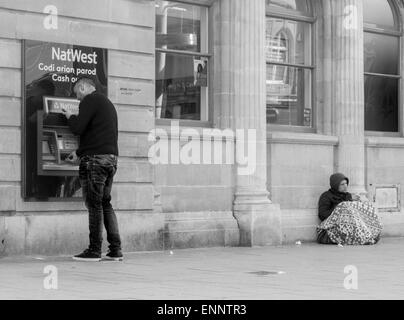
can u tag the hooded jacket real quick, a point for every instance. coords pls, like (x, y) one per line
(331, 198)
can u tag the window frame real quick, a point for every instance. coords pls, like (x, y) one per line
(397, 33)
(272, 11)
(206, 112)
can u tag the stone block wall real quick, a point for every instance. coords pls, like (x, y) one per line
(299, 167)
(126, 29)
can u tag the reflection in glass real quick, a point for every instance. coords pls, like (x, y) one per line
(381, 104)
(287, 41)
(378, 13)
(178, 89)
(381, 53)
(288, 96)
(299, 5)
(178, 26)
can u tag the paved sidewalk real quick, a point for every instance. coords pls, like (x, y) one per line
(308, 271)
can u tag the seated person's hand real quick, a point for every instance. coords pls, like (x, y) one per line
(364, 198)
(356, 197)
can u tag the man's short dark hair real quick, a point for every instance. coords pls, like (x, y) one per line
(86, 80)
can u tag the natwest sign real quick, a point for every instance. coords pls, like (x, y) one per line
(74, 55)
(56, 105)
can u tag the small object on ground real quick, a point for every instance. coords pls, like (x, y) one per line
(39, 258)
(340, 245)
(171, 252)
(298, 243)
(281, 272)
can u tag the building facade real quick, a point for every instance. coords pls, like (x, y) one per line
(317, 83)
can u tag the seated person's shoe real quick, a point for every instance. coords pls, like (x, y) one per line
(115, 255)
(88, 255)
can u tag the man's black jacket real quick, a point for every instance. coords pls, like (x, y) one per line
(97, 125)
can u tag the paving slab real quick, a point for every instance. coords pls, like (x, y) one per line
(307, 271)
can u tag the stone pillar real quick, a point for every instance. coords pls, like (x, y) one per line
(240, 103)
(348, 86)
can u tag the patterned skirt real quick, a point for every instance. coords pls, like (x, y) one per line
(352, 223)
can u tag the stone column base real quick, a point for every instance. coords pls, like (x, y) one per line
(259, 224)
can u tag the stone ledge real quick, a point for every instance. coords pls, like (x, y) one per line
(201, 131)
(301, 138)
(384, 142)
(101, 11)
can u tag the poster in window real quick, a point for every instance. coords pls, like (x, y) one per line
(201, 72)
(50, 71)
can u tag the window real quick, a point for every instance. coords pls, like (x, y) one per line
(381, 66)
(289, 67)
(182, 61)
(296, 5)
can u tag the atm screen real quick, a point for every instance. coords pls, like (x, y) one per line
(67, 143)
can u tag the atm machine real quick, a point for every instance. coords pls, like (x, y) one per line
(55, 140)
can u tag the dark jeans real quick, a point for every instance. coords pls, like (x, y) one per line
(96, 176)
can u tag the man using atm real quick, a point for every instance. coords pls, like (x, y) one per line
(97, 126)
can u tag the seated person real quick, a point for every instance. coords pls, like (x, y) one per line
(346, 219)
